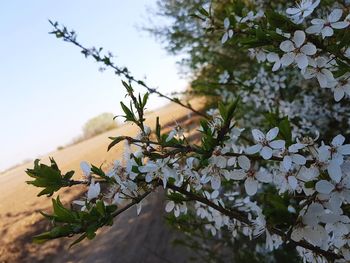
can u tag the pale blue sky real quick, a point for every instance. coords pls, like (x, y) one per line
(49, 90)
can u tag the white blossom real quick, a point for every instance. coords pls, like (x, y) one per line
(296, 51)
(252, 177)
(177, 208)
(334, 155)
(94, 190)
(291, 155)
(265, 144)
(274, 58)
(320, 68)
(342, 87)
(228, 31)
(325, 27)
(303, 9)
(249, 17)
(86, 168)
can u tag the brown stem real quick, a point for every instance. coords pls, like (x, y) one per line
(69, 37)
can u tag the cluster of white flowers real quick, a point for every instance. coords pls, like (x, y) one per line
(314, 174)
(317, 171)
(302, 10)
(248, 19)
(300, 51)
(307, 106)
(326, 27)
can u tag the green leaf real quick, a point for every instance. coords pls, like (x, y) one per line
(78, 240)
(128, 87)
(277, 20)
(68, 175)
(197, 16)
(231, 109)
(285, 130)
(129, 115)
(203, 12)
(222, 110)
(145, 99)
(56, 232)
(48, 177)
(158, 129)
(63, 214)
(310, 184)
(115, 141)
(100, 207)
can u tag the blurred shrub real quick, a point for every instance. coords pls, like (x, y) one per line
(99, 124)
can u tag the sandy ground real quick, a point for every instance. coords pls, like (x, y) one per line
(146, 238)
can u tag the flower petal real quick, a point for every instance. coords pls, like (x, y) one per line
(215, 182)
(314, 29)
(287, 162)
(287, 59)
(299, 38)
(251, 186)
(322, 79)
(318, 21)
(266, 152)
(231, 161)
(258, 135)
(321, 62)
(253, 149)
(264, 176)
(237, 174)
(138, 208)
(86, 168)
(169, 206)
(226, 23)
(278, 144)
(327, 32)
(230, 33)
(334, 171)
(293, 182)
(294, 148)
(335, 15)
(298, 159)
(338, 140)
(328, 74)
(301, 60)
(340, 25)
(272, 134)
(344, 149)
(244, 162)
(272, 57)
(293, 11)
(276, 66)
(324, 187)
(94, 190)
(308, 49)
(338, 94)
(287, 46)
(224, 38)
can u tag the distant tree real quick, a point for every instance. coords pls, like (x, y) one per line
(99, 124)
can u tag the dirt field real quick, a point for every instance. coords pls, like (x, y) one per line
(131, 239)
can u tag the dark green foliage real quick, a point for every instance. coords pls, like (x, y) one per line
(48, 177)
(67, 222)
